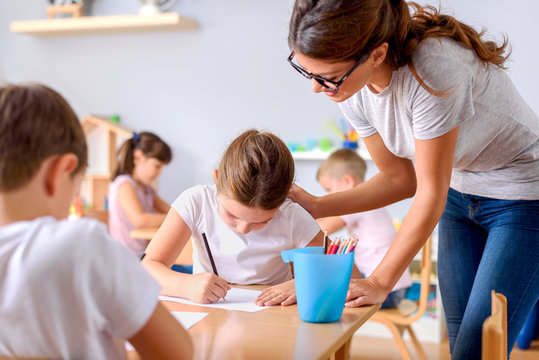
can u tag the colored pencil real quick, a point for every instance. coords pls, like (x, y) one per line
(208, 251)
(325, 242)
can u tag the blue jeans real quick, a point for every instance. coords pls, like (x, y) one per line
(486, 244)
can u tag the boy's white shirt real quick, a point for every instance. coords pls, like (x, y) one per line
(253, 258)
(68, 290)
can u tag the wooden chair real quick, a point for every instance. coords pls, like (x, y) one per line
(494, 346)
(399, 319)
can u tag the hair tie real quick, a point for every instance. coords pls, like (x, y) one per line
(136, 137)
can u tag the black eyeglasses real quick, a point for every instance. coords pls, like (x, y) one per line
(330, 84)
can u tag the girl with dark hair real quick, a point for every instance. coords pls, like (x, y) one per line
(442, 121)
(133, 202)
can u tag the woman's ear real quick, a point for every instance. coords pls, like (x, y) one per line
(378, 55)
(215, 174)
(58, 167)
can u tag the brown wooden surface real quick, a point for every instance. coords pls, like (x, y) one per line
(275, 333)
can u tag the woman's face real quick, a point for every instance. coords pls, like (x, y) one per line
(335, 71)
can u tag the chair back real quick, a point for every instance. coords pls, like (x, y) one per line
(494, 346)
(424, 291)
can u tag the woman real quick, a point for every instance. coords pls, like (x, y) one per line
(442, 121)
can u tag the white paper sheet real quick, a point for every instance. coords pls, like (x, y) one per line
(188, 319)
(236, 299)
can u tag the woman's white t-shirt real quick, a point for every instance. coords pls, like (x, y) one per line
(253, 258)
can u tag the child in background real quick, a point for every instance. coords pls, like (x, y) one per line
(67, 289)
(133, 202)
(343, 170)
(247, 219)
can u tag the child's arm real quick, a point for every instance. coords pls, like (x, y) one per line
(331, 224)
(130, 204)
(160, 205)
(285, 293)
(161, 253)
(162, 337)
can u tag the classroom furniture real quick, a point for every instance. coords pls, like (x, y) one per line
(494, 346)
(103, 24)
(275, 333)
(104, 137)
(74, 9)
(401, 318)
(530, 330)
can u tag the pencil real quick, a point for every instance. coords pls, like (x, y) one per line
(209, 254)
(325, 241)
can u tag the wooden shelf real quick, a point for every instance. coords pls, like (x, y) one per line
(103, 24)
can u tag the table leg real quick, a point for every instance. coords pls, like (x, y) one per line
(343, 352)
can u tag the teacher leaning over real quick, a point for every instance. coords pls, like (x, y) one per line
(442, 120)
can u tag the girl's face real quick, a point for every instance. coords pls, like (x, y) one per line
(241, 218)
(146, 169)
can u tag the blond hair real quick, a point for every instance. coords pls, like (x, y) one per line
(343, 162)
(256, 170)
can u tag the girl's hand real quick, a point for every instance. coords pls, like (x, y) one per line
(302, 197)
(365, 292)
(207, 288)
(284, 294)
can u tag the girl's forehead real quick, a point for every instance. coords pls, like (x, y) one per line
(244, 212)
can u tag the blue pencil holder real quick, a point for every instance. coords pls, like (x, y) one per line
(321, 282)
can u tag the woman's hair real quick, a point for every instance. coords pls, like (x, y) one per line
(256, 170)
(343, 30)
(151, 146)
(36, 123)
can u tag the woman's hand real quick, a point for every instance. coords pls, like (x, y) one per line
(284, 294)
(365, 291)
(302, 197)
(206, 288)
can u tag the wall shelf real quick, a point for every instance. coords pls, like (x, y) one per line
(103, 24)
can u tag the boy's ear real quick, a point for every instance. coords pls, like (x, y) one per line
(215, 173)
(349, 180)
(63, 165)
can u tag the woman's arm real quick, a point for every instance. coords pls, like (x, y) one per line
(395, 181)
(433, 166)
(164, 249)
(130, 204)
(160, 205)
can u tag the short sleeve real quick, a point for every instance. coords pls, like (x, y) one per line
(447, 68)
(114, 283)
(187, 205)
(304, 226)
(352, 111)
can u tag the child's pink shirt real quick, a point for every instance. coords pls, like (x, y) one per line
(375, 231)
(119, 224)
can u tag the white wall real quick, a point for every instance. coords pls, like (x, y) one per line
(200, 88)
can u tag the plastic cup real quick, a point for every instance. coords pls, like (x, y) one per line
(321, 282)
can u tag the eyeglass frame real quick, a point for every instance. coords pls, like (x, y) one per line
(321, 80)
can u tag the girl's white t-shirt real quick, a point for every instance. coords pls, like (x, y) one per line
(253, 258)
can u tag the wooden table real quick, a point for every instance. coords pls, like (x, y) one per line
(275, 333)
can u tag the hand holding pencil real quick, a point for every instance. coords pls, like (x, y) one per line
(216, 285)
